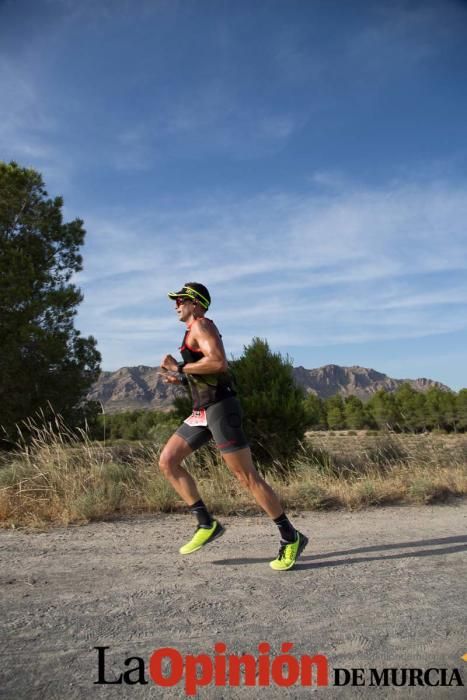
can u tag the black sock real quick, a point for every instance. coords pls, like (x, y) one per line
(202, 515)
(288, 532)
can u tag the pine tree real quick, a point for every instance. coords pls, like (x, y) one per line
(44, 362)
(335, 412)
(316, 412)
(384, 410)
(412, 407)
(354, 413)
(461, 409)
(275, 418)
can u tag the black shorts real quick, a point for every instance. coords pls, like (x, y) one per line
(224, 425)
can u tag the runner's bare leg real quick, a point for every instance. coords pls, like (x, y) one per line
(174, 452)
(241, 465)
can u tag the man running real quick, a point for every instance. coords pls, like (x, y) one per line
(216, 414)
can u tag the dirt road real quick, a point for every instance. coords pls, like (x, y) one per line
(374, 589)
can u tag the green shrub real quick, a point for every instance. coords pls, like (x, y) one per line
(275, 417)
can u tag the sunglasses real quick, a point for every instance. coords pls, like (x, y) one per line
(182, 300)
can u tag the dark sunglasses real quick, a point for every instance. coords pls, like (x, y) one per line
(182, 300)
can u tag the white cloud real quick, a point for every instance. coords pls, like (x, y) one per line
(355, 235)
(310, 270)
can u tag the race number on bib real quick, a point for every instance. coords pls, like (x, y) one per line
(197, 418)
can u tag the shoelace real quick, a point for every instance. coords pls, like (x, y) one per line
(282, 549)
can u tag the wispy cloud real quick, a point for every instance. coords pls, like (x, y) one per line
(27, 125)
(19, 110)
(355, 266)
(381, 232)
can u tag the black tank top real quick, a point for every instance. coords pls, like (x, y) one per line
(206, 389)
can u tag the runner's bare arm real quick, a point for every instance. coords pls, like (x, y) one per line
(210, 344)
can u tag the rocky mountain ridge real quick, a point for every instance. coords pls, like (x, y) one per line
(142, 387)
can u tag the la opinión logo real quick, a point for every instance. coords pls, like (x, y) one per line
(168, 667)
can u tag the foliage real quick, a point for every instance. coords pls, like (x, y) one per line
(412, 408)
(461, 409)
(156, 426)
(275, 415)
(384, 409)
(315, 412)
(335, 412)
(354, 412)
(411, 405)
(45, 365)
(405, 410)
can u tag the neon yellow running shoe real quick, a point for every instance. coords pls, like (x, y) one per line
(202, 536)
(289, 553)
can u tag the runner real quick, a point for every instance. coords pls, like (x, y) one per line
(216, 414)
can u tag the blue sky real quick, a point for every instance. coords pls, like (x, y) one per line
(306, 160)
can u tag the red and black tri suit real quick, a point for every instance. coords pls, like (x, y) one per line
(215, 397)
(206, 389)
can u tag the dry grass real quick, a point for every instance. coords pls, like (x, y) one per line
(64, 478)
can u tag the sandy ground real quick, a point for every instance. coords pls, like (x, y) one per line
(377, 588)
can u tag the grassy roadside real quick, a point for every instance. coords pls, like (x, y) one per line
(64, 478)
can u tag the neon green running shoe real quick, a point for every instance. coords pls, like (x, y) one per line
(289, 553)
(202, 536)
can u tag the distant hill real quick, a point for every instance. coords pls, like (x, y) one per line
(358, 381)
(131, 388)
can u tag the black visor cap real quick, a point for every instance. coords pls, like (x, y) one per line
(195, 291)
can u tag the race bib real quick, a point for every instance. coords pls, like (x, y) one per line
(197, 418)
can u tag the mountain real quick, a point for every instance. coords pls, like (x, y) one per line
(142, 387)
(358, 381)
(130, 388)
